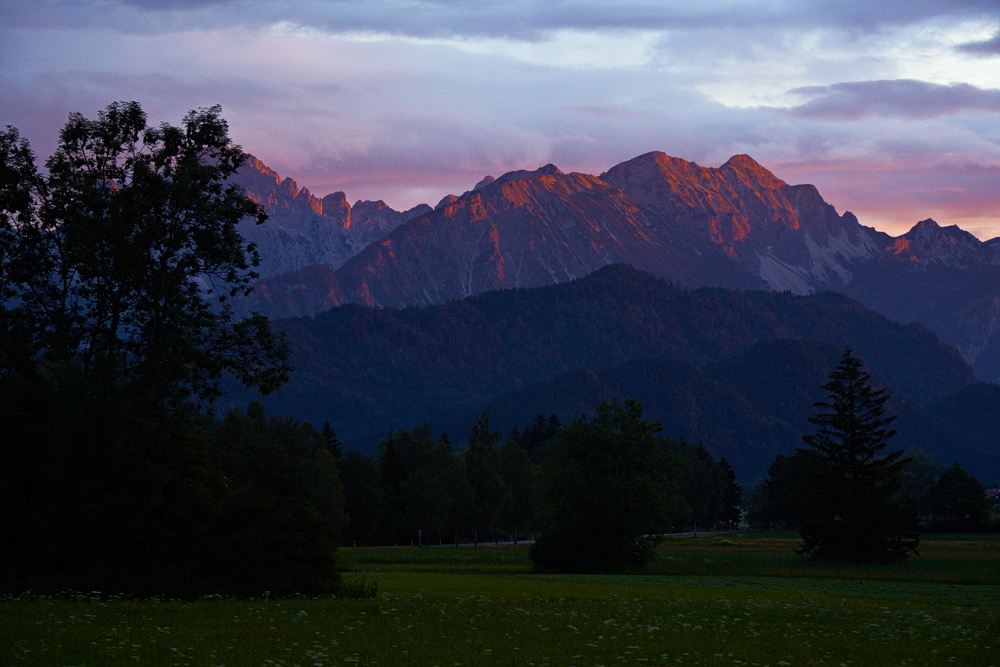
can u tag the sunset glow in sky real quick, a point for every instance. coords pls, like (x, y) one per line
(891, 109)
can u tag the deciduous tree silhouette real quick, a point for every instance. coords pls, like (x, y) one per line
(121, 260)
(958, 502)
(606, 488)
(118, 263)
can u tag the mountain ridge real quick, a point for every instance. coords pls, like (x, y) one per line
(304, 230)
(736, 226)
(375, 369)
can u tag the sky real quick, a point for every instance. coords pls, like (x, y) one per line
(892, 109)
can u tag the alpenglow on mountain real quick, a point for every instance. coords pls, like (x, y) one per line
(735, 226)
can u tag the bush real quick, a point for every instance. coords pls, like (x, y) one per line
(606, 488)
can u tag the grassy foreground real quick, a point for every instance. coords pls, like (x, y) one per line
(708, 601)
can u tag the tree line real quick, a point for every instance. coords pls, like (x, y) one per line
(466, 354)
(947, 499)
(420, 489)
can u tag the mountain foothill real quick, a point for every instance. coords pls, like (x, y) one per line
(719, 297)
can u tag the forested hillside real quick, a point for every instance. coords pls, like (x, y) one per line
(369, 371)
(755, 404)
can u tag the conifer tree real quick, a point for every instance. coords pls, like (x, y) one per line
(492, 496)
(845, 504)
(332, 441)
(732, 497)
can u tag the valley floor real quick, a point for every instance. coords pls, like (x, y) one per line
(484, 606)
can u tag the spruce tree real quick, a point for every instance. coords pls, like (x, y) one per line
(492, 496)
(732, 496)
(845, 501)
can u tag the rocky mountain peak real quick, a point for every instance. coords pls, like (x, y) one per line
(305, 231)
(483, 183)
(752, 173)
(447, 200)
(744, 161)
(641, 174)
(785, 234)
(367, 207)
(930, 243)
(678, 188)
(526, 228)
(253, 164)
(335, 206)
(548, 170)
(265, 186)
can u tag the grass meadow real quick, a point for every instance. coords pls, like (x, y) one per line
(710, 600)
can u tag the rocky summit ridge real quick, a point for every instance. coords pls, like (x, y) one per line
(928, 243)
(305, 231)
(784, 234)
(737, 226)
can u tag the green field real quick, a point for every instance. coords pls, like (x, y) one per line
(709, 601)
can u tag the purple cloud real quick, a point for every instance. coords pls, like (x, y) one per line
(175, 4)
(523, 19)
(990, 47)
(327, 93)
(899, 98)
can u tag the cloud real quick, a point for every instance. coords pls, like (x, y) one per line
(901, 98)
(516, 19)
(870, 16)
(162, 5)
(989, 47)
(408, 100)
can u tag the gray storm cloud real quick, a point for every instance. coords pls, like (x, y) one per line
(524, 19)
(903, 98)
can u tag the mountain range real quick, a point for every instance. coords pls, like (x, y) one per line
(719, 297)
(736, 226)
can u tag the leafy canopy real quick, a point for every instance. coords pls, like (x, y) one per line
(958, 502)
(606, 487)
(121, 259)
(117, 266)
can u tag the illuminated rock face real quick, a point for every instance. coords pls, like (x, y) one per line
(305, 239)
(784, 234)
(525, 229)
(734, 226)
(303, 230)
(928, 244)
